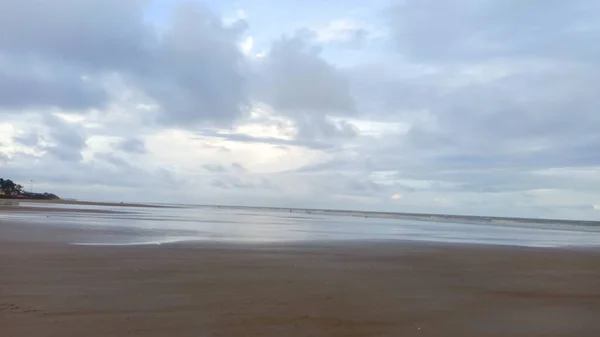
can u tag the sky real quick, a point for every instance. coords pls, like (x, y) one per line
(456, 107)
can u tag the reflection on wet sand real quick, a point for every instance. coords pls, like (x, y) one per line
(242, 224)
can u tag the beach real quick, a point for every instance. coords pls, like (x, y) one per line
(309, 289)
(66, 272)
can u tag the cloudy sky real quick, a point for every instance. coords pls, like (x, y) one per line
(461, 106)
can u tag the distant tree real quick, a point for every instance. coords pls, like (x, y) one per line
(9, 189)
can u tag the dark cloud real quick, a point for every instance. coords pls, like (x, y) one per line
(215, 168)
(68, 139)
(461, 172)
(96, 34)
(297, 80)
(30, 83)
(243, 183)
(381, 89)
(193, 69)
(299, 83)
(319, 128)
(30, 139)
(57, 138)
(528, 120)
(53, 43)
(237, 167)
(198, 71)
(132, 145)
(111, 159)
(490, 102)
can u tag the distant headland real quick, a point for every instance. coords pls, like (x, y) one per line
(12, 190)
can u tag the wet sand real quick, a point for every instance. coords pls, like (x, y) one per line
(89, 203)
(55, 209)
(48, 288)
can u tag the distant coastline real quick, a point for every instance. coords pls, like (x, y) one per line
(84, 203)
(32, 196)
(11, 190)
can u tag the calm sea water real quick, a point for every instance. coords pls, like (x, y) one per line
(134, 225)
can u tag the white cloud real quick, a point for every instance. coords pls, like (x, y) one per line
(246, 46)
(341, 30)
(378, 128)
(444, 202)
(185, 151)
(238, 15)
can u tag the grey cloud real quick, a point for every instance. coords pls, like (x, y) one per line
(100, 34)
(105, 169)
(455, 168)
(193, 69)
(357, 38)
(220, 184)
(341, 183)
(215, 168)
(320, 128)
(470, 29)
(296, 80)
(68, 140)
(198, 74)
(499, 180)
(29, 139)
(29, 83)
(367, 186)
(65, 153)
(337, 163)
(237, 167)
(364, 186)
(557, 156)
(233, 182)
(382, 88)
(299, 83)
(495, 115)
(493, 93)
(218, 168)
(132, 145)
(240, 137)
(556, 116)
(112, 159)
(62, 40)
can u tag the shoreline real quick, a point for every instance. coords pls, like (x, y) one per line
(50, 288)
